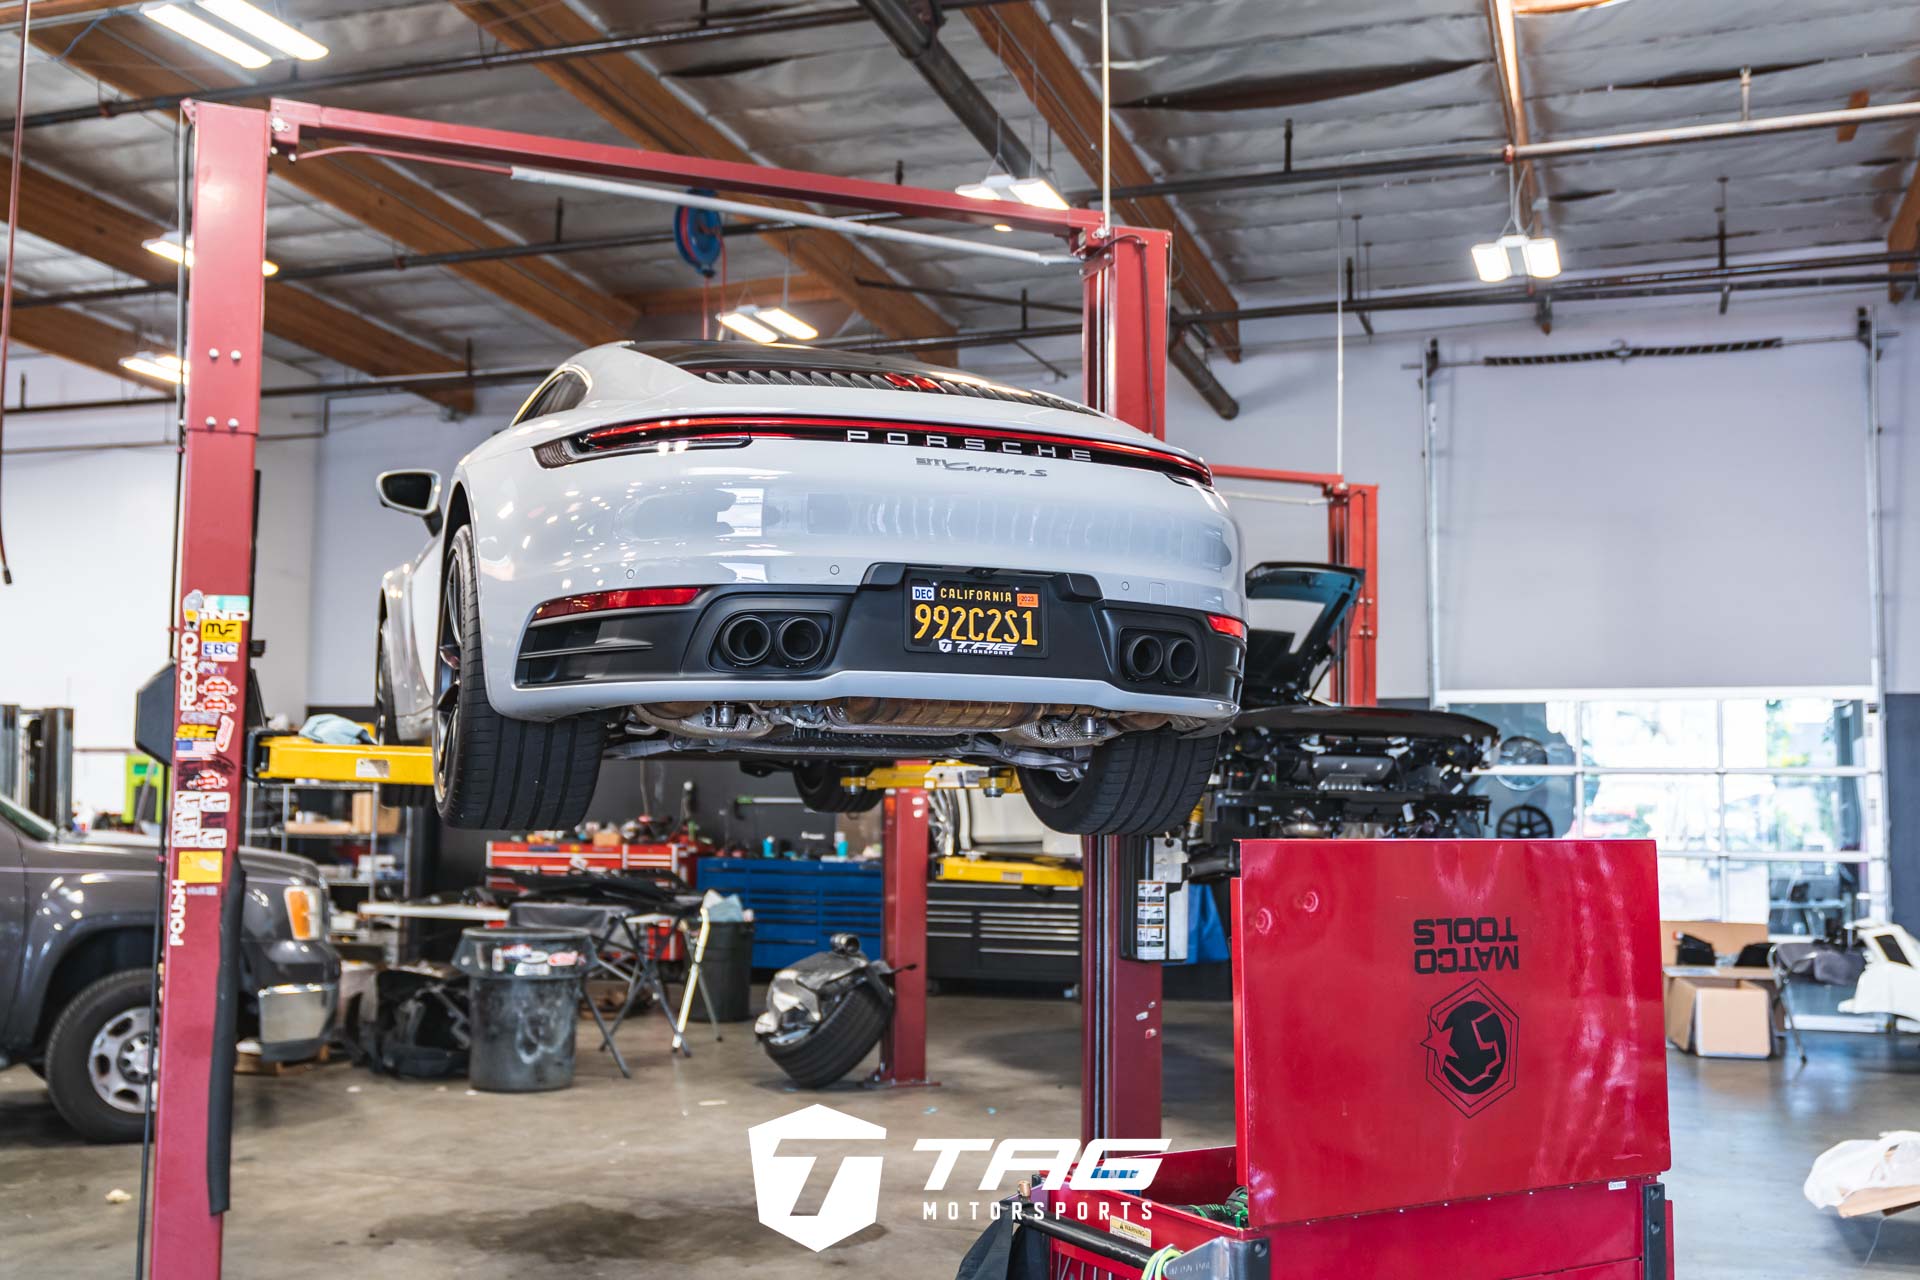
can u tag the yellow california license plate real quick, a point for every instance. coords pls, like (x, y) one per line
(981, 618)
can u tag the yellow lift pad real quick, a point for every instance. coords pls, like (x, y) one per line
(1050, 871)
(946, 775)
(294, 759)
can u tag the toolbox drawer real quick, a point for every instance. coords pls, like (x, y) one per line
(1003, 933)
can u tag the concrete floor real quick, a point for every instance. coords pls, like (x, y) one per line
(341, 1173)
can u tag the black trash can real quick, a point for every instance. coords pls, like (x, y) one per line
(727, 970)
(526, 989)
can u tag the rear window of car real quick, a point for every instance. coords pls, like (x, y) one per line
(28, 824)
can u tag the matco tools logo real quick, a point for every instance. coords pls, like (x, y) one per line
(1472, 1039)
(852, 1200)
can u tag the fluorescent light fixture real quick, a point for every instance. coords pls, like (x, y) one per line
(206, 35)
(1036, 191)
(168, 247)
(743, 323)
(1515, 254)
(786, 322)
(164, 368)
(266, 28)
(995, 186)
(1039, 193)
(1542, 256)
(1001, 226)
(1490, 263)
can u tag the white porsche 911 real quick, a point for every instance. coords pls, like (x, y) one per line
(812, 561)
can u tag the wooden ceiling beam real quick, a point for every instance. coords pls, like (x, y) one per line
(1904, 235)
(142, 60)
(75, 219)
(1060, 91)
(624, 93)
(74, 335)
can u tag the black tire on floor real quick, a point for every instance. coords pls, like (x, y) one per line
(1138, 784)
(490, 771)
(836, 1045)
(820, 789)
(117, 999)
(386, 726)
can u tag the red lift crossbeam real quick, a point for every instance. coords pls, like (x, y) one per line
(1125, 277)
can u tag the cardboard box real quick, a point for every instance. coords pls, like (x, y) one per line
(1725, 937)
(1720, 1017)
(363, 816)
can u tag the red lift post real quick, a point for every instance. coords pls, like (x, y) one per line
(1125, 274)
(903, 849)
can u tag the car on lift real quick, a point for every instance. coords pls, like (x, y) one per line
(77, 924)
(1295, 766)
(812, 561)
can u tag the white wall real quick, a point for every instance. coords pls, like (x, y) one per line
(87, 500)
(1672, 521)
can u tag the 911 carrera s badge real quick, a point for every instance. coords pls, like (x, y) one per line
(1471, 1042)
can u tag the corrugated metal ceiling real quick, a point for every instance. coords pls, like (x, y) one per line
(1206, 87)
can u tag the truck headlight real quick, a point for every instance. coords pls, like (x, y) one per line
(306, 911)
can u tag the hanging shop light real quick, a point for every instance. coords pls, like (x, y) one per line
(168, 247)
(743, 322)
(1515, 252)
(206, 35)
(1000, 185)
(266, 28)
(760, 323)
(164, 368)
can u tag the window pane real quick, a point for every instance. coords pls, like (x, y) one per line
(1690, 888)
(1813, 899)
(1637, 735)
(1677, 812)
(1531, 733)
(1794, 733)
(1794, 814)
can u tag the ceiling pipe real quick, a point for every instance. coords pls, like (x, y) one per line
(1485, 157)
(299, 86)
(920, 44)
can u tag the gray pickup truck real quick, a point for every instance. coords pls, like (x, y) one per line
(77, 921)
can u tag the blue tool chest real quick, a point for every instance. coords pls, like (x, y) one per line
(798, 904)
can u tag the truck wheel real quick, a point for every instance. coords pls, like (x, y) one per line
(837, 1045)
(820, 789)
(100, 1055)
(1139, 784)
(490, 771)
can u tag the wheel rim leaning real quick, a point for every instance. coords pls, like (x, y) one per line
(120, 1061)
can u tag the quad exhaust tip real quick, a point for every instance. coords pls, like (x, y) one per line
(800, 641)
(746, 640)
(1143, 656)
(1183, 661)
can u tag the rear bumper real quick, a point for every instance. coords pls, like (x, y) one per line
(665, 655)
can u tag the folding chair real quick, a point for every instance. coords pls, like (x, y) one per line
(606, 925)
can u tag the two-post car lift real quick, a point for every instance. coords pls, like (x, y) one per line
(1124, 346)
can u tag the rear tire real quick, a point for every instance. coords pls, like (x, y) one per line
(820, 789)
(1139, 784)
(97, 1067)
(490, 771)
(836, 1045)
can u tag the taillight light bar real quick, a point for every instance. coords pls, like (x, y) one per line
(606, 601)
(673, 435)
(1227, 625)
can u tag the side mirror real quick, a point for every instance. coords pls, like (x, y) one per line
(412, 492)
